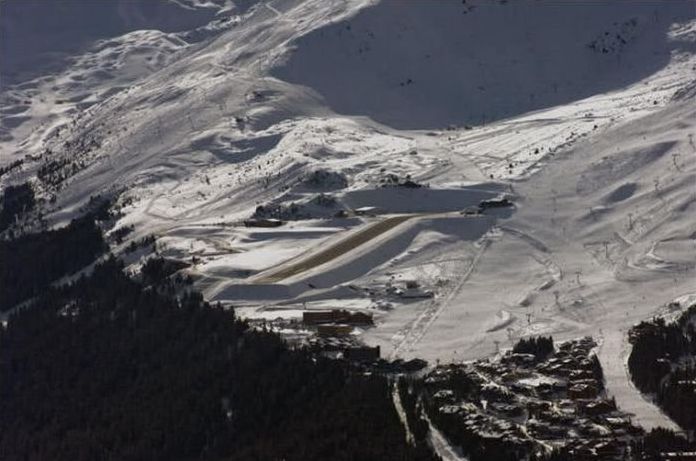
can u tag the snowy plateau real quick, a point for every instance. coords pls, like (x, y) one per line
(304, 155)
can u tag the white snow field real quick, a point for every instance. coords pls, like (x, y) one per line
(583, 113)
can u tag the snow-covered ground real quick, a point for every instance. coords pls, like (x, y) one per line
(613, 355)
(583, 114)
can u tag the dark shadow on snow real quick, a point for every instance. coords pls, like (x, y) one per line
(427, 65)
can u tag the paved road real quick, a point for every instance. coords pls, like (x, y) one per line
(338, 249)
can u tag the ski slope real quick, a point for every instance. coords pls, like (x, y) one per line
(583, 114)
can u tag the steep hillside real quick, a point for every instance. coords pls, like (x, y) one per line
(426, 65)
(39, 37)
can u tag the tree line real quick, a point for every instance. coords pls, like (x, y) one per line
(29, 263)
(662, 363)
(105, 368)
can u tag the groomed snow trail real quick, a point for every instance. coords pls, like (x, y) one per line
(613, 355)
(396, 399)
(442, 446)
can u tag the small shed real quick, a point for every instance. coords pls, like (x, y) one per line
(362, 354)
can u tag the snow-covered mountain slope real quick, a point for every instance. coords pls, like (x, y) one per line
(424, 65)
(38, 37)
(582, 113)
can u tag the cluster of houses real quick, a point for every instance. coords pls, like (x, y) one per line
(526, 404)
(334, 338)
(347, 349)
(410, 290)
(335, 325)
(336, 317)
(328, 332)
(334, 328)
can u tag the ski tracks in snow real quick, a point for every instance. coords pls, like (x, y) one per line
(414, 331)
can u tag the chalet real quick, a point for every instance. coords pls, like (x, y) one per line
(413, 291)
(409, 184)
(547, 431)
(608, 448)
(359, 318)
(598, 407)
(444, 395)
(617, 422)
(546, 390)
(471, 211)
(583, 453)
(536, 407)
(263, 222)
(495, 393)
(317, 317)
(452, 409)
(362, 354)
(413, 365)
(336, 316)
(500, 202)
(334, 330)
(367, 211)
(679, 456)
(583, 391)
(581, 374)
(518, 359)
(508, 409)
